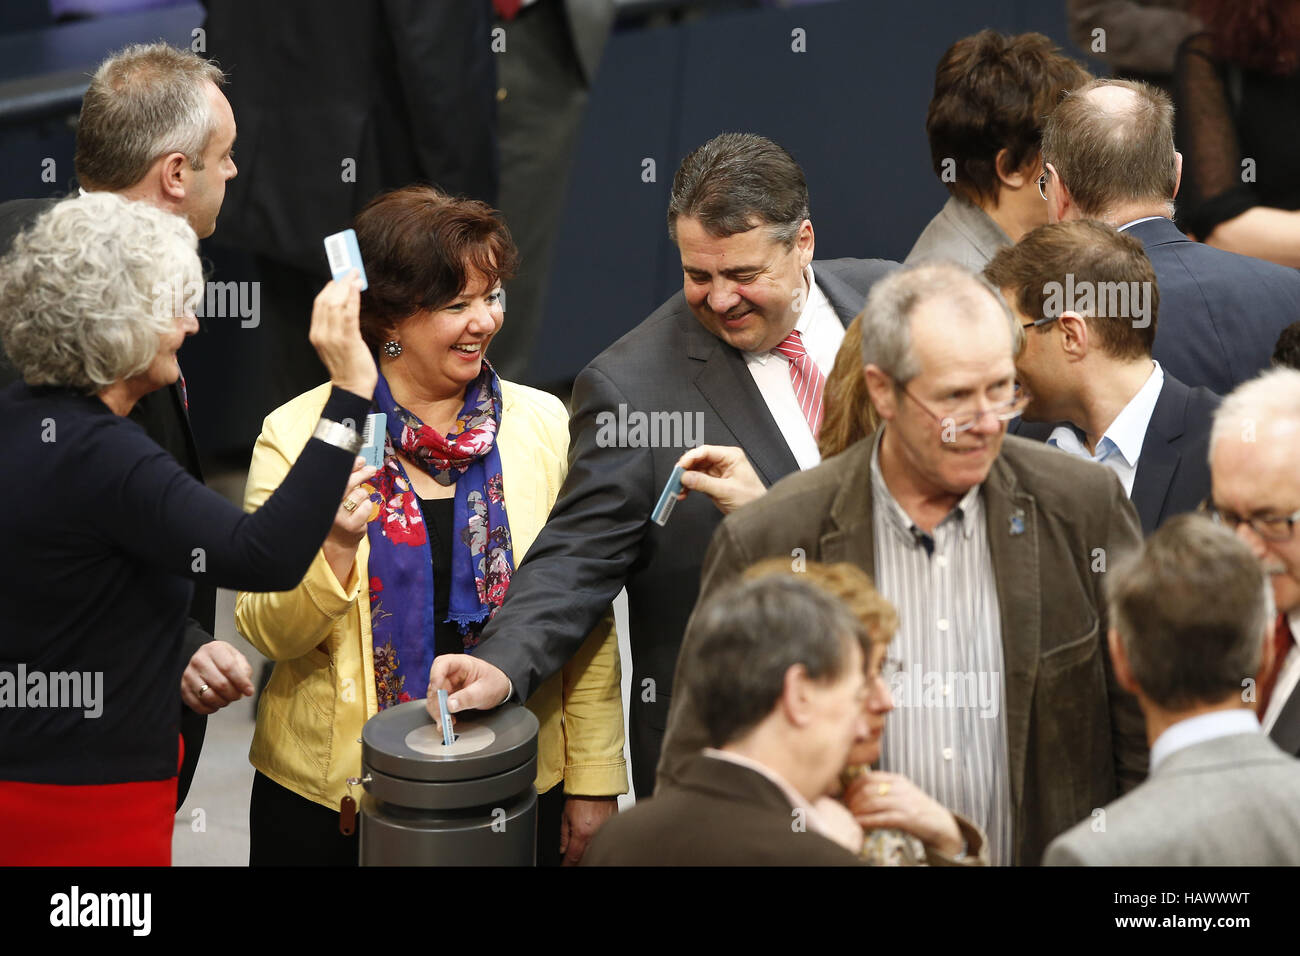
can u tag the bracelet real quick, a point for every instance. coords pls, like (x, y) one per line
(338, 435)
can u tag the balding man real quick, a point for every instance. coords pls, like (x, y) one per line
(992, 548)
(1256, 490)
(1108, 154)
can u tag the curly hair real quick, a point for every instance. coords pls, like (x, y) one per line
(88, 289)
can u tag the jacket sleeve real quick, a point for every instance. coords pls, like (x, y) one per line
(1127, 725)
(287, 624)
(685, 734)
(581, 558)
(977, 847)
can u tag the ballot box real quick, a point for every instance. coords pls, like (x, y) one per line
(470, 803)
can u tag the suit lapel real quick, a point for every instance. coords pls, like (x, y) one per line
(726, 384)
(853, 538)
(1286, 729)
(1013, 548)
(1159, 459)
(844, 299)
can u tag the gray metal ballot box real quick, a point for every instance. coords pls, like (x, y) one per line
(470, 804)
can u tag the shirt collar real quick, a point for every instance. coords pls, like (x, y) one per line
(813, 301)
(899, 519)
(797, 800)
(1127, 433)
(1134, 222)
(1203, 727)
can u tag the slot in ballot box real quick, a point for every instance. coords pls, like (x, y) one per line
(472, 803)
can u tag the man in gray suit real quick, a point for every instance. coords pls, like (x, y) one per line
(991, 93)
(992, 548)
(707, 367)
(1189, 619)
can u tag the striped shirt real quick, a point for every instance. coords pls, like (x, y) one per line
(947, 733)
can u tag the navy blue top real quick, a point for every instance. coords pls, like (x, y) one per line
(101, 535)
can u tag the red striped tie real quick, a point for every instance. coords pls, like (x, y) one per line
(807, 379)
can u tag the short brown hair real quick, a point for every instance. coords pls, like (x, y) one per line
(1105, 157)
(143, 103)
(420, 249)
(844, 581)
(991, 92)
(1097, 256)
(737, 181)
(1191, 611)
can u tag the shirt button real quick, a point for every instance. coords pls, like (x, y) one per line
(942, 624)
(947, 753)
(941, 561)
(946, 690)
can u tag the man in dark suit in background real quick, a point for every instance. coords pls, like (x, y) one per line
(1090, 297)
(155, 127)
(993, 551)
(1108, 154)
(778, 738)
(339, 101)
(717, 363)
(1257, 492)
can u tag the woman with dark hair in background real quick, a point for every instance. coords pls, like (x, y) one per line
(97, 566)
(421, 555)
(1238, 126)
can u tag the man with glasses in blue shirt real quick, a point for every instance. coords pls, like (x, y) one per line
(1255, 486)
(994, 551)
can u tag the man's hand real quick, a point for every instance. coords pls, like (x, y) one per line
(723, 473)
(583, 816)
(471, 683)
(221, 673)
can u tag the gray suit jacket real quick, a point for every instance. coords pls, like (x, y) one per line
(1233, 800)
(599, 537)
(1075, 740)
(961, 232)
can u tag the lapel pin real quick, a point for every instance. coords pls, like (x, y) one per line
(1018, 522)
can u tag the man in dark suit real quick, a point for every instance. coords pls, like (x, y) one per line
(1256, 490)
(1108, 153)
(137, 137)
(338, 102)
(993, 551)
(778, 739)
(703, 368)
(1094, 390)
(1220, 792)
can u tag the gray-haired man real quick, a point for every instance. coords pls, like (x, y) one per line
(1189, 620)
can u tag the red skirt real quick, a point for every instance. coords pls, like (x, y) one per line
(112, 824)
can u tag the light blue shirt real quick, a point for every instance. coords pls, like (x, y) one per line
(1121, 445)
(1203, 727)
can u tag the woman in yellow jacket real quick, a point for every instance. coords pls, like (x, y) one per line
(421, 552)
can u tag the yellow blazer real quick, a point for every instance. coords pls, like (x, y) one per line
(323, 688)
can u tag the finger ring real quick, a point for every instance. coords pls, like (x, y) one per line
(203, 690)
(350, 505)
(883, 789)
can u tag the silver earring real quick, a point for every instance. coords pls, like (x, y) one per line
(392, 348)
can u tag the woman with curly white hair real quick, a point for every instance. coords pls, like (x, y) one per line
(97, 566)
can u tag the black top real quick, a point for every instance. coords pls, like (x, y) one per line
(103, 536)
(438, 521)
(1226, 115)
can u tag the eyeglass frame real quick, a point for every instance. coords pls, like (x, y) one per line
(1019, 396)
(1208, 507)
(1043, 179)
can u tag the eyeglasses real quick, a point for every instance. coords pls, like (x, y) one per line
(1038, 322)
(965, 420)
(1042, 181)
(1275, 530)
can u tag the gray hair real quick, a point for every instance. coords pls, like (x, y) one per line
(1192, 609)
(88, 289)
(749, 634)
(143, 103)
(887, 317)
(1271, 396)
(737, 181)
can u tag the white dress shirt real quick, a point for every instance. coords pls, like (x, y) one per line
(1203, 727)
(822, 332)
(1134, 222)
(1287, 678)
(1121, 445)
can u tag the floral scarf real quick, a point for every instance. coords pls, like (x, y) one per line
(401, 566)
